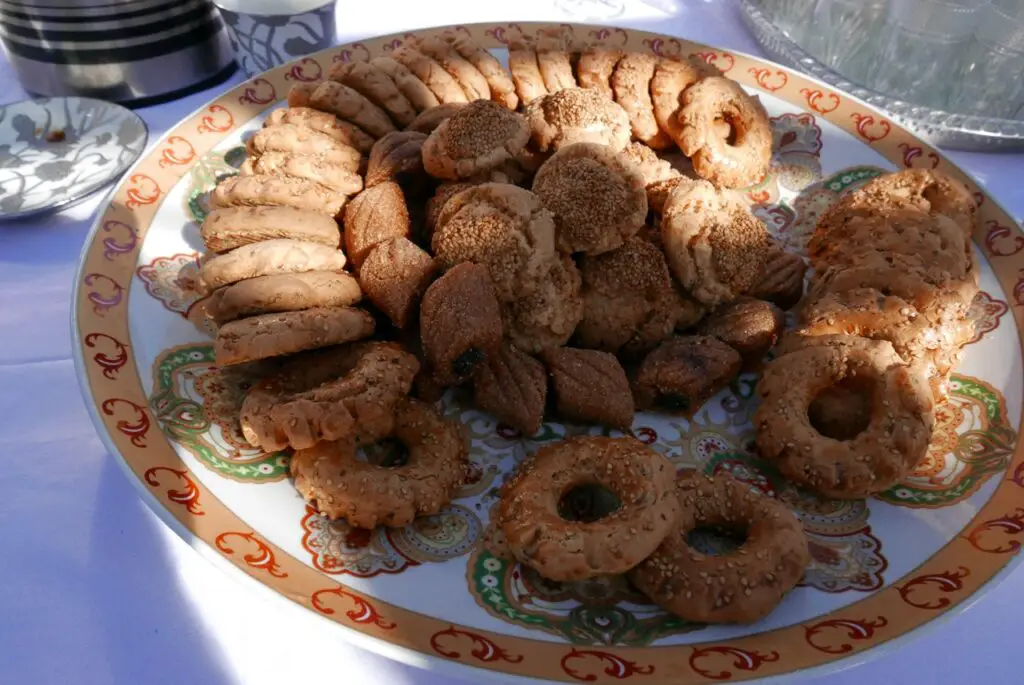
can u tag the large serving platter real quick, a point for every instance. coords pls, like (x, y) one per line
(430, 594)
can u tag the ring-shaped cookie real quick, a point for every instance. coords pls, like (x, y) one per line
(346, 392)
(367, 495)
(736, 587)
(894, 441)
(642, 480)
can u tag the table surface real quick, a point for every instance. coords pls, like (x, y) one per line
(95, 589)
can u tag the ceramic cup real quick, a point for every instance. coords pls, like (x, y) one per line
(268, 33)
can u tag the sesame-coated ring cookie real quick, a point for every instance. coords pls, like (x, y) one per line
(631, 83)
(576, 115)
(367, 495)
(740, 586)
(734, 161)
(894, 441)
(670, 80)
(477, 138)
(345, 392)
(641, 479)
(616, 201)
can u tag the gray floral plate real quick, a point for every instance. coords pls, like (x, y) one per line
(55, 151)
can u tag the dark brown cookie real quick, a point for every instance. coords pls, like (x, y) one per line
(394, 276)
(513, 386)
(590, 386)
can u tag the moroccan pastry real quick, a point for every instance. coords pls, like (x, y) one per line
(498, 79)
(474, 140)
(460, 323)
(894, 441)
(295, 139)
(232, 227)
(546, 314)
(275, 191)
(594, 70)
(396, 157)
(642, 480)
(336, 178)
(749, 326)
(429, 119)
(512, 387)
(426, 69)
(590, 386)
(684, 372)
(344, 392)
(349, 105)
(373, 216)
(554, 64)
(631, 84)
(715, 246)
(340, 485)
(575, 115)
(736, 587)
(394, 276)
(782, 280)
(616, 202)
(377, 86)
(741, 158)
(472, 82)
(670, 80)
(323, 122)
(278, 256)
(415, 90)
(522, 62)
(278, 334)
(284, 293)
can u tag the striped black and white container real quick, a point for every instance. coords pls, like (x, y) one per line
(121, 50)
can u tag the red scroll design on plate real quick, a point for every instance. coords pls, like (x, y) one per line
(259, 92)
(602, 36)
(357, 53)
(110, 363)
(820, 102)
(178, 151)
(996, 234)
(769, 79)
(723, 60)
(306, 70)
(262, 558)
(142, 190)
(363, 612)
(187, 497)
(136, 428)
(912, 155)
(612, 665)
(847, 630)
(991, 536)
(481, 648)
(946, 582)
(669, 48)
(218, 120)
(869, 129)
(738, 659)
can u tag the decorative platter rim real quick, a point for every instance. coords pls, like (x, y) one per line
(86, 190)
(114, 393)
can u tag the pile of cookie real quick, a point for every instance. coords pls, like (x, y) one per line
(847, 406)
(560, 239)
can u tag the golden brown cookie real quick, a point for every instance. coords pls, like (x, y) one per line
(231, 227)
(926, 190)
(522, 62)
(512, 387)
(597, 197)
(396, 157)
(741, 158)
(278, 256)
(377, 214)
(595, 68)
(376, 86)
(577, 547)
(670, 80)
(348, 104)
(415, 90)
(340, 485)
(295, 139)
(472, 82)
(630, 303)
(575, 115)
(273, 335)
(741, 586)
(275, 191)
(554, 64)
(344, 392)
(546, 312)
(460, 323)
(284, 293)
(590, 386)
(334, 177)
(394, 276)
(323, 122)
(477, 138)
(684, 372)
(715, 246)
(749, 326)
(433, 75)
(631, 83)
(782, 280)
(498, 79)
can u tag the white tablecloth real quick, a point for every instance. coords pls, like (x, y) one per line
(95, 589)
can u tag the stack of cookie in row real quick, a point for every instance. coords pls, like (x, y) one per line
(847, 408)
